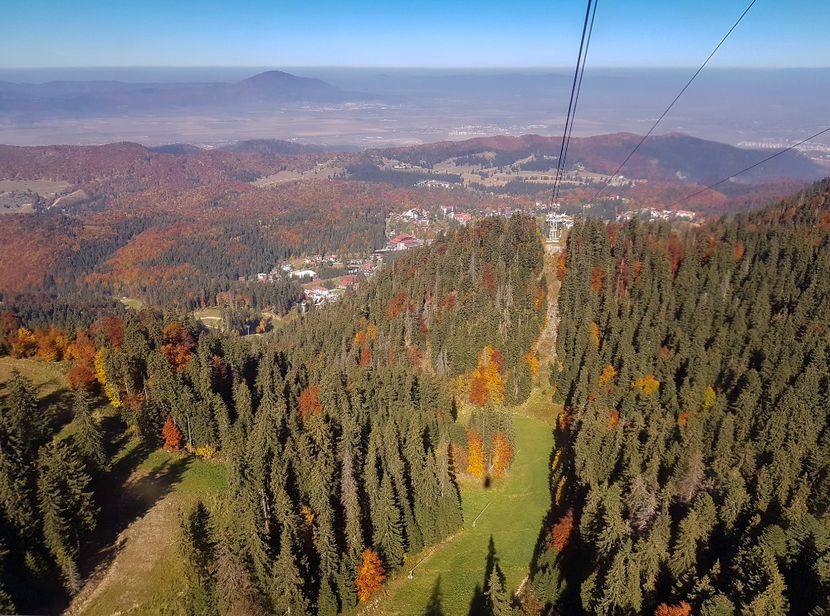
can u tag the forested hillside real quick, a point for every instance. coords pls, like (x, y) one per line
(341, 433)
(691, 473)
(185, 230)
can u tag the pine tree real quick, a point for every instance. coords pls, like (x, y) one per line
(498, 599)
(386, 523)
(287, 595)
(89, 438)
(66, 507)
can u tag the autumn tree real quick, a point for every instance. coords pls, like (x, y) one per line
(309, 402)
(502, 455)
(475, 455)
(24, 344)
(560, 532)
(370, 576)
(171, 434)
(178, 345)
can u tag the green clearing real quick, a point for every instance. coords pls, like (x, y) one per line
(133, 303)
(514, 511)
(210, 317)
(48, 377)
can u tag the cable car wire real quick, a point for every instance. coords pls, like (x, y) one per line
(676, 98)
(760, 162)
(577, 83)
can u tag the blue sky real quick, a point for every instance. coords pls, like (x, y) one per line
(485, 33)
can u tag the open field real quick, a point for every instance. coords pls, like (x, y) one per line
(40, 187)
(47, 377)
(133, 303)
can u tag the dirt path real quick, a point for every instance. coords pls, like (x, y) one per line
(138, 550)
(546, 346)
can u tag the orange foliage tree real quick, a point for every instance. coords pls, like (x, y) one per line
(532, 361)
(560, 533)
(475, 454)
(487, 382)
(178, 345)
(82, 352)
(370, 576)
(309, 402)
(171, 434)
(561, 267)
(502, 454)
(51, 344)
(681, 609)
(595, 334)
(607, 376)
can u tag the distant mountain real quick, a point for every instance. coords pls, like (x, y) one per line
(181, 149)
(82, 98)
(663, 157)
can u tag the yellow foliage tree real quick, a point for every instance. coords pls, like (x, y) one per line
(475, 454)
(24, 344)
(101, 375)
(709, 398)
(595, 334)
(488, 374)
(646, 384)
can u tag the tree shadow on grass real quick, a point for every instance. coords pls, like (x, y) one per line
(434, 607)
(478, 604)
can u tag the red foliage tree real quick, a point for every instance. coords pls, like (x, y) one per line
(489, 278)
(396, 305)
(560, 533)
(478, 390)
(82, 353)
(82, 376)
(310, 402)
(370, 576)
(171, 434)
(112, 328)
(597, 278)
